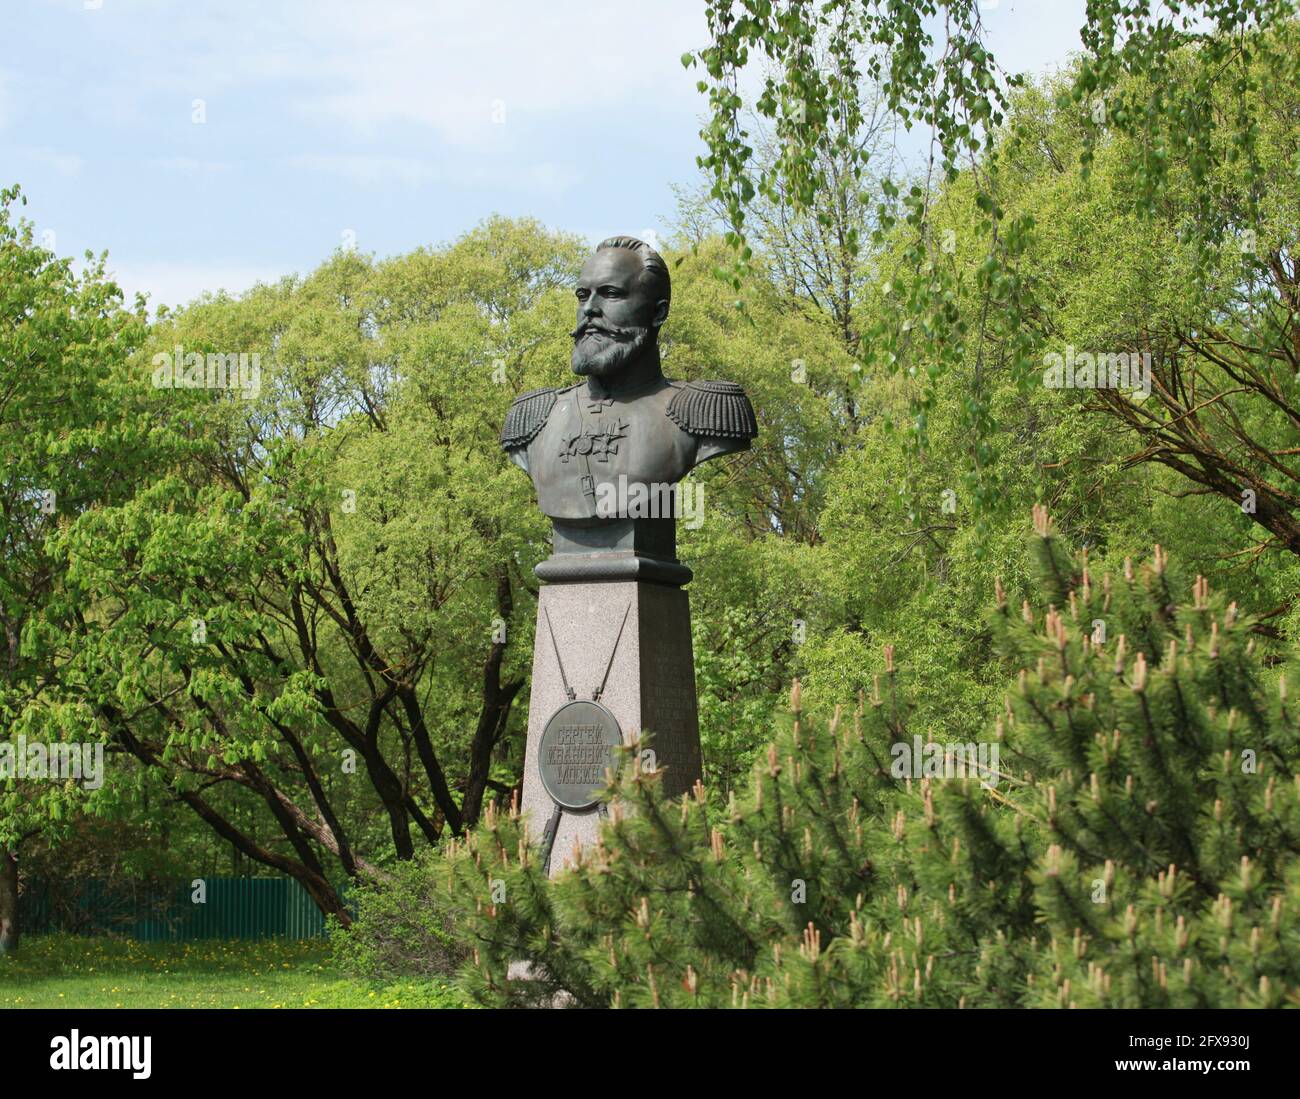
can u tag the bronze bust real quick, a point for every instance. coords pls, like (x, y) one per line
(624, 424)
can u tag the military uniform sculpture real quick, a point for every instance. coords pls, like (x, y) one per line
(605, 455)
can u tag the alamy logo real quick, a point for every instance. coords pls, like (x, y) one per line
(180, 369)
(636, 500)
(1108, 370)
(89, 1051)
(82, 762)
(935, 760)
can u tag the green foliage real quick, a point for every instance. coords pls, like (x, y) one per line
(401, 930)
(1186, 85)
(70, 432)
(906, 546)
(1135, 843)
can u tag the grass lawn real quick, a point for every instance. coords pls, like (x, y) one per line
(68, 971)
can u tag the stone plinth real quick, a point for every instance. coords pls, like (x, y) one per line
(650, 686)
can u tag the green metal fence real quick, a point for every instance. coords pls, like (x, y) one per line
(166, 911)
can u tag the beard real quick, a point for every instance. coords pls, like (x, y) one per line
(604, 351)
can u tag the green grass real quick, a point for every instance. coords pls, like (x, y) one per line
(68, 971)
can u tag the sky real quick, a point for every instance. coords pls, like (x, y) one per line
(211, 145)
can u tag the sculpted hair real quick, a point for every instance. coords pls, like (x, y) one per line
(655, 268)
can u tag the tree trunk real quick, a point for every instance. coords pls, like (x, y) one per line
(494, 714)
(8, 902)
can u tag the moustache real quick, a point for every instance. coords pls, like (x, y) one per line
(587, 328)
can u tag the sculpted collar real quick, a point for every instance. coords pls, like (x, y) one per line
(598, 391)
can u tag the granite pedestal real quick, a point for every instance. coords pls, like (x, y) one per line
(650, 683)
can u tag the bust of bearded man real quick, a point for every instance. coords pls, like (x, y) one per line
(602, 452)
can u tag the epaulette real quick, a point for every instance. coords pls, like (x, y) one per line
(718, 409)
(527, 416)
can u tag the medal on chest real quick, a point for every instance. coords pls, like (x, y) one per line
(594, 437)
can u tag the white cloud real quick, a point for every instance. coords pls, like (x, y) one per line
(438, 64)
(452, 66)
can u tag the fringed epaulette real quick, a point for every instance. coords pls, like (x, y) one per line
(527, 416)
(718, 409)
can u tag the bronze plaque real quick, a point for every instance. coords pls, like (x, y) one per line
(579, 742)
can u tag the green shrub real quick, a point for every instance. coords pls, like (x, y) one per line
(401, 928)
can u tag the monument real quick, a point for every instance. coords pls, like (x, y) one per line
(612, 654)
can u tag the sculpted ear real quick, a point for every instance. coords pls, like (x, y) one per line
(661, 312)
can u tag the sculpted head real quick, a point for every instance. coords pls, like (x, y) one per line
(623, 294)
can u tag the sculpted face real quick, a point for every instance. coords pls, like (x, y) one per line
(618, 316)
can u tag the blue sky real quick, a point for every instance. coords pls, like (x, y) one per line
(405, 122)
